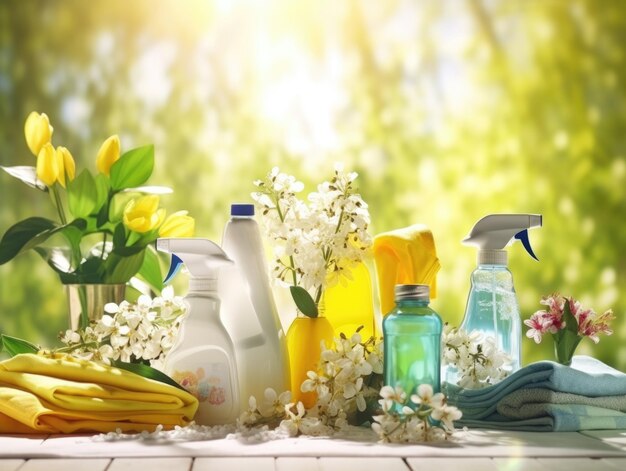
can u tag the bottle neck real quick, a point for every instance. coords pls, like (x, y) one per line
(412, 303)
(203, 285)
(492, 257)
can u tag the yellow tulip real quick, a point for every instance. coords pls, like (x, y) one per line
(48, 167)
(38, 131)
(67, 165)
(108, 154)
(178, 225)
(142, 214)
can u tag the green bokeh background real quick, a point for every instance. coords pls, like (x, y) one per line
(449, 110)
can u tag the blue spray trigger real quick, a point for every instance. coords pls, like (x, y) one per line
(175, 266)
(522, 236)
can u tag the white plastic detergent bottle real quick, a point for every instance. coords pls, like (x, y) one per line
(249, 311)
(492, 306)
(203, 358)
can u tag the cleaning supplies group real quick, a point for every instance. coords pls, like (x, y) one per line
(223, 355)
(226, 354)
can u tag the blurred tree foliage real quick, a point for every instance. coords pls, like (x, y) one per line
(448, 110)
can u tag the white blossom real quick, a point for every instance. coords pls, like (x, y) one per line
(400, 423)
(477, 357)
(446, 414)
(131, 332)
(343, 384)
(315, 243)
(426, 396)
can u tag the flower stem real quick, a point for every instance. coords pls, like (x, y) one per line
(318, 294)
(292, 264)
(104, 243)
(58, 203)
(293, 270)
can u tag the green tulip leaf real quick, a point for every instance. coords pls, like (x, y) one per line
(82, 195)
(58, 259)
(14, 346)
(102, 189)
(91, 270)
(304, 301)
(24, 235)
(121, 268)
(133, 168)
(150, 270)
(119, 236)
(147, 372)
(27, 175)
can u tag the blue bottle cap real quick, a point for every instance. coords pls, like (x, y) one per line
(242, 210)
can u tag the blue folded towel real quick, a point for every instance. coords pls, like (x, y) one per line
(547, 396)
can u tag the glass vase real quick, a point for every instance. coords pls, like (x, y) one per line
(303, 343)
(86, 301)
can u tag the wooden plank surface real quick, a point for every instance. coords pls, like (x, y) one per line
(574, 464)
(151, 464)
(63, 464)
(474, 444)
(10, 465)
(525, 464)
(615, 463)
(452, 464)
(233, 464)
(298, 464)
(362, 464)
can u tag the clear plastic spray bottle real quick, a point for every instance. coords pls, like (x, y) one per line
(492, 306)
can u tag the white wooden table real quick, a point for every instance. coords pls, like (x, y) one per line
(476, 450)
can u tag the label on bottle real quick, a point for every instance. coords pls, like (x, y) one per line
(210, 384)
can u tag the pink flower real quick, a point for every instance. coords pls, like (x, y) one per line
(590, 324)
(555, 302)
(536, 324)
(551, 320)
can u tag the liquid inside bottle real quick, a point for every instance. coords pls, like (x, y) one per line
(412, 333)
(492, 309)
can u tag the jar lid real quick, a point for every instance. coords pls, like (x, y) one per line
(414, 292)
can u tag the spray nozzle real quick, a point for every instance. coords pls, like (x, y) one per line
(201, 256)
(494, 232)
(175, 265)
(522, 236)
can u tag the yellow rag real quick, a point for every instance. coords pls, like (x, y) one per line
(61, 394)
(405, 256)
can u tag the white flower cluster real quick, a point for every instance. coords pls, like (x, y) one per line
(137, 332)
(278, 411)
(412, 422)
(314, 243)
(476, 357)
(349, 375)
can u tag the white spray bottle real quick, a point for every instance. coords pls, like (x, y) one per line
(203, 358)
(248, 309)
(492, 306)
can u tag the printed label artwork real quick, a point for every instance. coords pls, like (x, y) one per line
(207, 385)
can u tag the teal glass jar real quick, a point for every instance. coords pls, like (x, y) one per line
(412, 335)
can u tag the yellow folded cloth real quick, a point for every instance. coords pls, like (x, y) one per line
(61, 394)
(405, 256)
